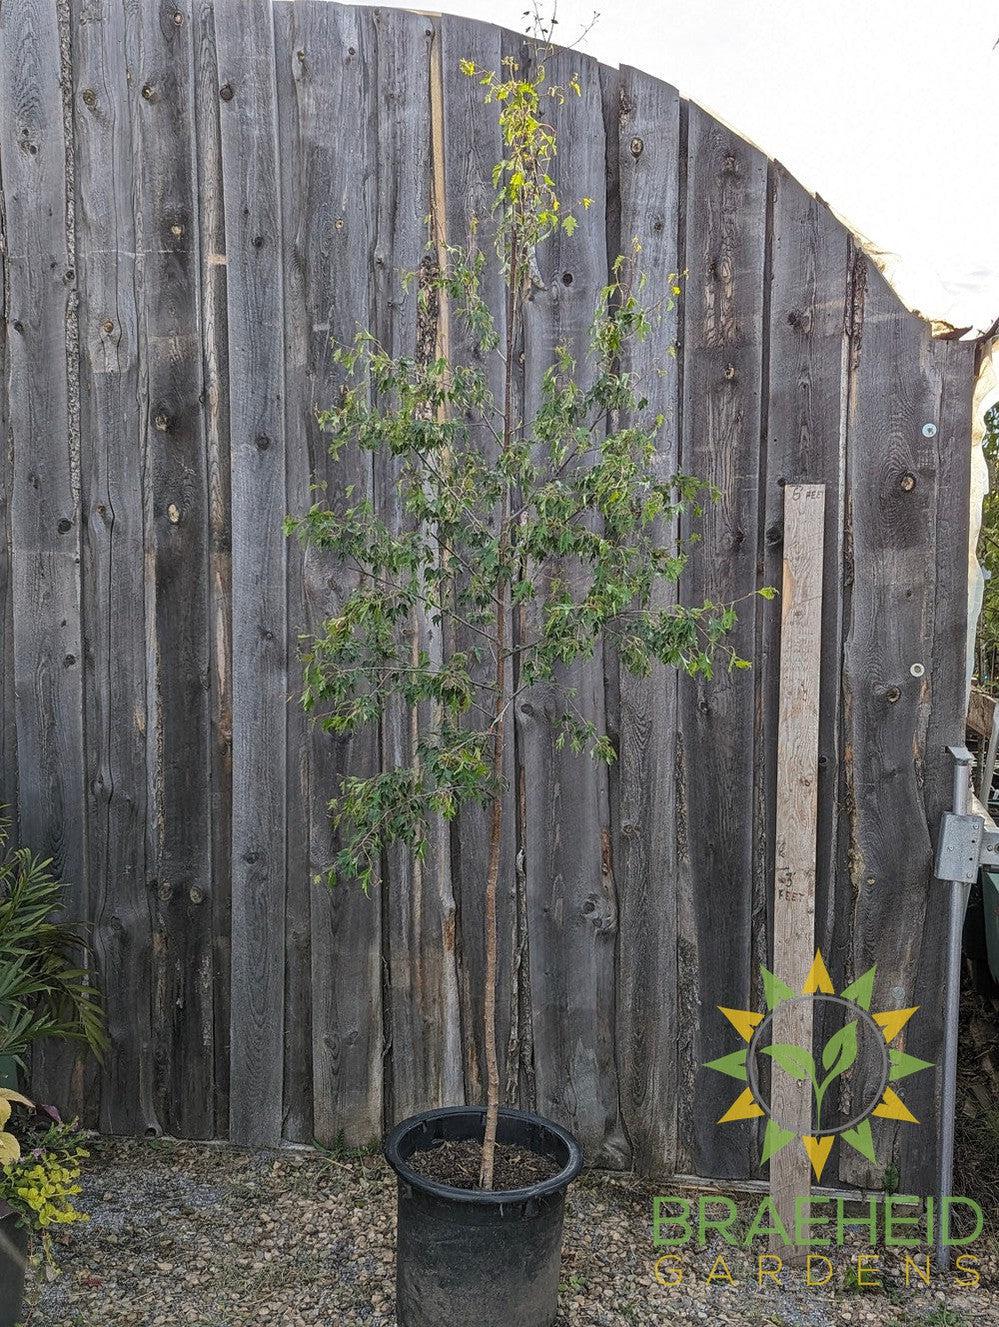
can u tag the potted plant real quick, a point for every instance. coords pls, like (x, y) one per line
(40, 1160)
(523, 544)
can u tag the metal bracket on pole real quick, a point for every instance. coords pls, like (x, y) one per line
(968, 839)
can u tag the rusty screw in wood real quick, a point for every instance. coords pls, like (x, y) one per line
(226, 91)
(148, 92)
(908, 482)
(197, 895)
(637, 148)
(89, 98)
(109, 326)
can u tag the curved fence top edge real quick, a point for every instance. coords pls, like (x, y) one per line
(883, 261)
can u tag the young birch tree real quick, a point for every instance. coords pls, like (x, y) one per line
(490, 497)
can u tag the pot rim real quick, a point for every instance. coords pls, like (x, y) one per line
(482, 1197)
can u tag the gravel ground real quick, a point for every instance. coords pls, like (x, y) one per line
(212, 1236)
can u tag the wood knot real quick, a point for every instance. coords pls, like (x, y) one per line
(908, 483)
(227, 92)
(637, 148)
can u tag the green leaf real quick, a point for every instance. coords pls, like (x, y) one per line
(774, 1139)
(734, 1065)
(861, 991)
(902, 1065)
(839, 1052)
(861, 1140)
(775, 990)
(794, 1060)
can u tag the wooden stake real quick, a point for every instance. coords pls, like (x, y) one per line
(797, 809)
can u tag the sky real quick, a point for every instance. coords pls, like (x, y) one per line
(881, 106)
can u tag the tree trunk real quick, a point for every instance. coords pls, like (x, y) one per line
(499, 722)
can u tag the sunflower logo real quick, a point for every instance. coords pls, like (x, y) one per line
(859, 1033)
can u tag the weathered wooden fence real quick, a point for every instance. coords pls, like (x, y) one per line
(195, 198)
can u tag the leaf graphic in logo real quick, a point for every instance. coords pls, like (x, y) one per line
(839, 1052)
(794, 1060)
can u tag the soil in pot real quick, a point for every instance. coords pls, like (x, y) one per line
(457, 1164)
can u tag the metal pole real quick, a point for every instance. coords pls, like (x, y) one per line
(959, 894)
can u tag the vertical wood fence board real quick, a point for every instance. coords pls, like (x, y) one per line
(723, 356)
(472, 147)
(8, 716)
(894, 476)
(418, 1009)
(796, 828)
(177, 579)
(298, 1122)
(953, 370)
(215, 409)
(649, 150)
(806, 423)
(330, 194)
(805, 433)
(113, 464)
(572, 901)
(251, 179)
(44, 649)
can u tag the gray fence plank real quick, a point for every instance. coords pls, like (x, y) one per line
(722, 368)
(572, 902)
(176, 537)
(289, 54)
(215, 409)
(896, 474)
(472, 148)
(649, 159)
(8, 715)
(113, 463)
(422, 1007)
(807, 380)
(41, 445)
(952, 370)
(330, 232)
(251, 176)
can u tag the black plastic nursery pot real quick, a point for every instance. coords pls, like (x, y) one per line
(13, 1259)
(464, 1257)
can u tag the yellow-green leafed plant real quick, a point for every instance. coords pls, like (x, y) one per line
(40, 1166)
